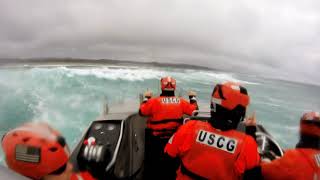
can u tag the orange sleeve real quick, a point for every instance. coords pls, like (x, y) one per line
(187, 108)
(180, 141)
(285, 165)
(249, 156)
(146, 108)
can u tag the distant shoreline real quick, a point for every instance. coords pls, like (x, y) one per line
(92, 62)
(84, 63)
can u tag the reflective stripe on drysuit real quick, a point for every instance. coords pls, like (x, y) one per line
(297, 164)
(208, 153)
(165, 114)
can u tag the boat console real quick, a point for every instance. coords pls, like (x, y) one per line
(112, 148)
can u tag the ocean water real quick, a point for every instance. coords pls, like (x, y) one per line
(68, 98)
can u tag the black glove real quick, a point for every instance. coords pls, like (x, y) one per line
(192, 97)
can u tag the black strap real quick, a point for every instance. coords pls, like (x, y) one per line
(165, 132)
(166, 121)
(191, 174)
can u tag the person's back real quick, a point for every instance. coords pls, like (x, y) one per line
(166, 111)
(166, 114)
(302, 162)
(209, 153)
(214, 149)
(165, 117)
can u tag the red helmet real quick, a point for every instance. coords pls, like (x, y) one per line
(310, 124)
(229, 95)
(228, 105)
(168, 84)
(35, 150)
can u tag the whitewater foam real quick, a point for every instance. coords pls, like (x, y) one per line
(134, 73)
(69, 98)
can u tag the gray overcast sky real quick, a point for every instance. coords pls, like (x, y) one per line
(270, 37)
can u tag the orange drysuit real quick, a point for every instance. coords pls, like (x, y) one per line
(208, 153)
(165, 114)
(298, 164)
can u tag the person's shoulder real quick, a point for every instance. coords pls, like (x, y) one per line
(301, 151)
(154, 99)
(190, 124)
(196, 124)
(295, 152)
(241, 134)
(292, 155)
(246, 138)
(182, 99)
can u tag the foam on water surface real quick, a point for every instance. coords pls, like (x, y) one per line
(69, 98)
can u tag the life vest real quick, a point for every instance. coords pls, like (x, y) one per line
(296, 164)
(165, 114)
(208, 153)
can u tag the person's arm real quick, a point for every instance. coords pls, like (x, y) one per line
(251, 125)
(286, 165)
(171, 151)
(179, 142)
(188, 108)
(146, 107)
(174, 149)
(249, 157)
(173, 146)
(255, 171)
(279, 168)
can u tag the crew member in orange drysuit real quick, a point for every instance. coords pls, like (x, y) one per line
(165, 116)
(302, 162)
(214, 149)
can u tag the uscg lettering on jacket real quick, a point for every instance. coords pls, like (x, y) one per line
(217, 141)
(170, 100)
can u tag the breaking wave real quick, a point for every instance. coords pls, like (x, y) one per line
(69, 98)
